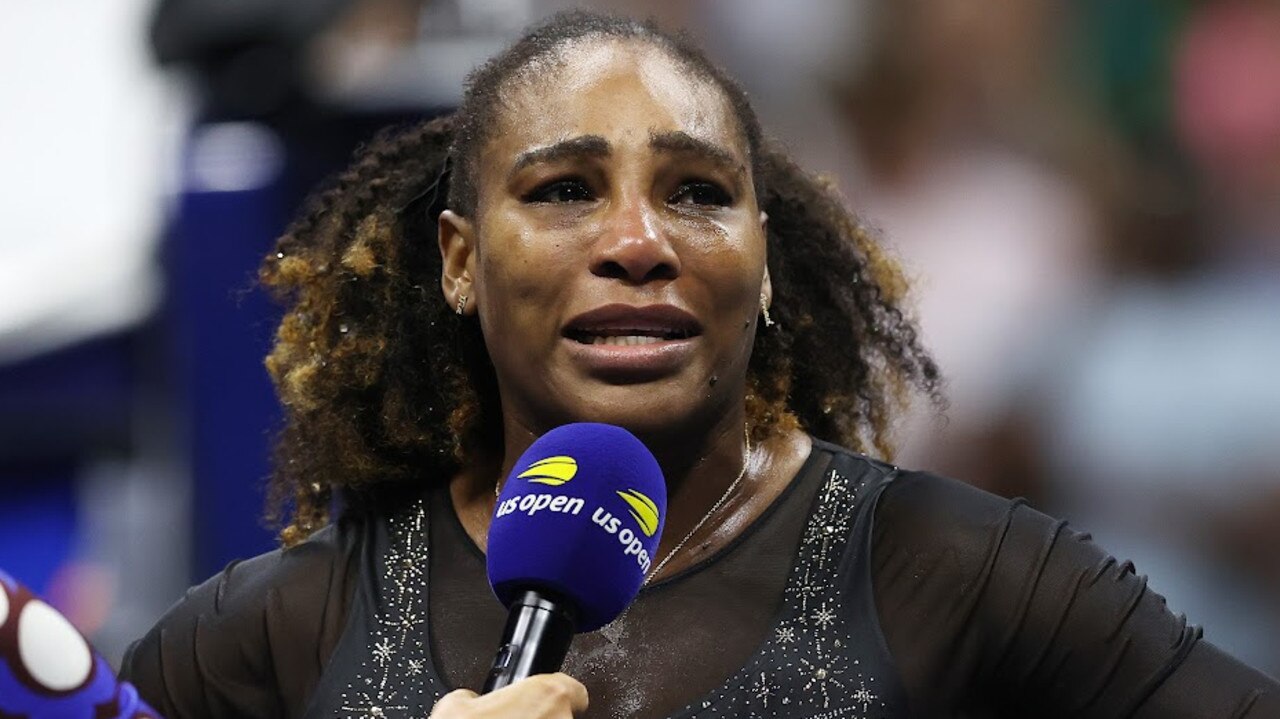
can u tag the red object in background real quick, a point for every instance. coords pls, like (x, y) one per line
(1227, 90)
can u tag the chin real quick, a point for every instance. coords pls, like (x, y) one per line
(647, 409)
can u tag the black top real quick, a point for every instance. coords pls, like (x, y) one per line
(955, 603)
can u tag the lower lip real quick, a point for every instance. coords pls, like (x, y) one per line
(632, 363)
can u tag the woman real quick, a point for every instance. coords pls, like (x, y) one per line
(615, 242)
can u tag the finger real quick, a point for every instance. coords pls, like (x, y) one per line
(542, 695)
(452, 704)
(570, 689)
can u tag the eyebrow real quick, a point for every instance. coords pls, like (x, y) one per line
(582, 146)
(679, 142)
(595, 146)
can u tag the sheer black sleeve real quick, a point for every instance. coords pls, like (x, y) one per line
(252, 640)
(992, 609)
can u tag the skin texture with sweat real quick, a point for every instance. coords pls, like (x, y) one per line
(615, 177)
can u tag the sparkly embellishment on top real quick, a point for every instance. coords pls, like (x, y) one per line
(810, 665)
(396, 681)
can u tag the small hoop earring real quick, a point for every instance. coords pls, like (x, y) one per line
(462, 304)
(764, 309)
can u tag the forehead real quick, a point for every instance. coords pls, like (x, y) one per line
(621, 90)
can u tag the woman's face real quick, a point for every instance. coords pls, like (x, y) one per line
(617, 255)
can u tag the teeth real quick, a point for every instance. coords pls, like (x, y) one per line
(625, 340)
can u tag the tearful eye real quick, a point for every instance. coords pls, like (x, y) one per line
(560, 191)
(702, 194)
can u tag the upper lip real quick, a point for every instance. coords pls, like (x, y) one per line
(666, 321)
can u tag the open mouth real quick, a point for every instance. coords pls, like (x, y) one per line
(620, 325)
(626, 337)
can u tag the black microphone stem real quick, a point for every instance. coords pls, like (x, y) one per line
(535, 640)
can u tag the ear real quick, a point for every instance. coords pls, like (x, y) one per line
(766, 286)
(457, 260)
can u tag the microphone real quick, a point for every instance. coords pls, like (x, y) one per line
(48, 670)
(573, 534)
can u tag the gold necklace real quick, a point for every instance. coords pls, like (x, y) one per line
(746, 457)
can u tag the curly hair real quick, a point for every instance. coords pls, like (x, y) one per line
(383, 384)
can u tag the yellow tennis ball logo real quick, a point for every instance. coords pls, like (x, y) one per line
(554, 471)
(643, 510)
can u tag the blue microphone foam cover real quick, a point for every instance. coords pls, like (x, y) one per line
(580, 515)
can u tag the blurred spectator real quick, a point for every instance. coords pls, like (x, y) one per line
(1156, 417)
(962, 126)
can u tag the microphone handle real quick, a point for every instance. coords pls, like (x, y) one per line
(535, 640)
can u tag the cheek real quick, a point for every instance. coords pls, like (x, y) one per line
(729, 257)
(520, 286)
(513, 263)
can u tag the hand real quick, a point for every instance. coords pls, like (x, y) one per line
(544, 696)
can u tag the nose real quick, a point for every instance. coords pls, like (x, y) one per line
(633, 246)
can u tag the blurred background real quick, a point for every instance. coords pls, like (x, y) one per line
(1086, 194)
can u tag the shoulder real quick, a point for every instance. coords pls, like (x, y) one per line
(930, 528)
(253, 635)
(922, 518)
(857, 466)
(930, 501)
(922, 507)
